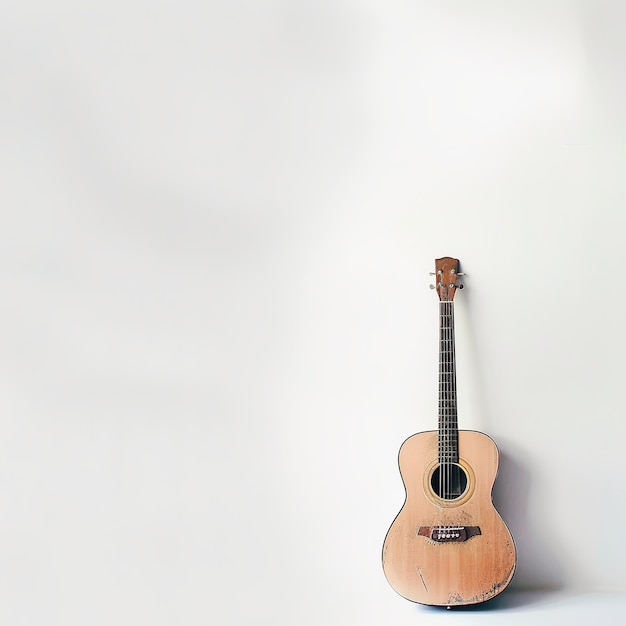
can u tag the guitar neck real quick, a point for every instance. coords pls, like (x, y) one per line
(448, 444)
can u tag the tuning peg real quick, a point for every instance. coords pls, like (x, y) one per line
(432, 286)
(460, 286)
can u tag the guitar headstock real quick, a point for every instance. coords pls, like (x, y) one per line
(447, 272)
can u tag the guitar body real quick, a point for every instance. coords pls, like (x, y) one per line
(454, 551)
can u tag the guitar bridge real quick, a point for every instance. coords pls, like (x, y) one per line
(447, 534)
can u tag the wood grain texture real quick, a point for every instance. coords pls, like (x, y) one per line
(448, 574)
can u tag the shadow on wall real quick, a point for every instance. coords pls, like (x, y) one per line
(538, 566)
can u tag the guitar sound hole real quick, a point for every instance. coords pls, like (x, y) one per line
(449, 481)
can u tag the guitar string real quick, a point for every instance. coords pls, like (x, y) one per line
(443, 400)
(448, 407)
(449, 474)
(453, 469)
(453, 421)
(441, 424)
(446, 402)
(444, 405)
(454, 426)
(449, 435)
(441, 404)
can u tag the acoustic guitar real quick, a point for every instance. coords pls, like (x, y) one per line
(448, 546)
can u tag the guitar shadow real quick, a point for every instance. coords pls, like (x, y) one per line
(538, 567)
(507, 600)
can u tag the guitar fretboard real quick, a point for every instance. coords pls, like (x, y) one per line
(448, 448)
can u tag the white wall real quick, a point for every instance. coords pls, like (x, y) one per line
(216, 328)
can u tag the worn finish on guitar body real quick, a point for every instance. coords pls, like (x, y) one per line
(448, 573)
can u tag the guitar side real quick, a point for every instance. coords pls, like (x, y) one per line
(422, 559)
